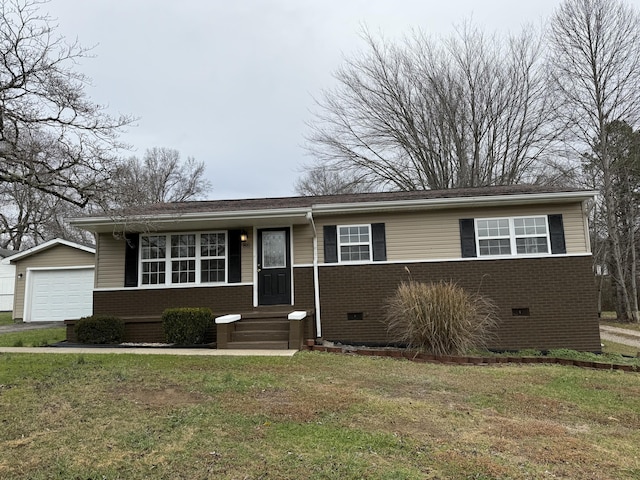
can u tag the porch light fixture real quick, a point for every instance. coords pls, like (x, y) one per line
(244, 236)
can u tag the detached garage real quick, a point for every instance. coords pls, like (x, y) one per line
(54, 282)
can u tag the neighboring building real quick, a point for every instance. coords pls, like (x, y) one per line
(340, 257)
(54, 281)
(7, 280)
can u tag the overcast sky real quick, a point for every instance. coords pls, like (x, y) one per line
(232, 82)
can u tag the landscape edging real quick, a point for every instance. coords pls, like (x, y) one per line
(467, 360)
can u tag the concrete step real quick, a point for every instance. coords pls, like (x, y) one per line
(270, 345)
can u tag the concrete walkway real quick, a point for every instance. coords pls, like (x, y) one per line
(151, 351)
(624, 336)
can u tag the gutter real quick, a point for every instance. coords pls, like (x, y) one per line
(449, 202)
(316, 278)
(195, 216)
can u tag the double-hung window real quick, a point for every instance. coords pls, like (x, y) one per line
(183, 258)
(153, 251)
(512, 236)
(354, 243)
(213, 259)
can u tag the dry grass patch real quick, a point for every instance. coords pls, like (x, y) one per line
(159, 398)
(311, 416)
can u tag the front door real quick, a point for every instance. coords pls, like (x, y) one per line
(274, 266)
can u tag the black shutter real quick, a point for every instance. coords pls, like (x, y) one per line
(379, 242)
(330, 244)
(556, 234)
(235, 259)
(132, 241)
(468, 238)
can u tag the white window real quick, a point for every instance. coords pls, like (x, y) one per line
(183, 258)
(191, 258)
(153, 252)
(354, 243)
(512, 236)
(213, 258)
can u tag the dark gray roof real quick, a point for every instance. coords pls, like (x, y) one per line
(303, 202)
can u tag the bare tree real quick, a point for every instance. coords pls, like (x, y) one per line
(52, 137)
(160, 176)
(29, 217)
(321, 180)
(469, 111)
(596, 63)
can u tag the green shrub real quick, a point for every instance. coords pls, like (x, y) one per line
(100, 329)
(186, 326)
(439, 318)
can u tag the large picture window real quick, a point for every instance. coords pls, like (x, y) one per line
(354, 243)
(191, 258)
(512, 236)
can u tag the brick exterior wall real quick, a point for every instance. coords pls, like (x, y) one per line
(153, 301)
(146, 305)
(559, 293)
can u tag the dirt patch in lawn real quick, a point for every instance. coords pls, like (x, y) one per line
(293, 404)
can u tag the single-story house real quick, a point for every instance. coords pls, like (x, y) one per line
(7, 280)
(54, 281)
(333, 261)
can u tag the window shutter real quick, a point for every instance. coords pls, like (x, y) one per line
(379, 242)
(556, 234)
(132, 242)
(330, 244)
(468, 238)
(234, 274)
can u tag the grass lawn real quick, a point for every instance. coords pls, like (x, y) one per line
(317, 416)
(620, 349)
(5, 318)
(33, 338)
(628, 326)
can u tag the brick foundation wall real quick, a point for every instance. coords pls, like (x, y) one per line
(148, 304)
(152, 302)
(558, 291)
(303, 291)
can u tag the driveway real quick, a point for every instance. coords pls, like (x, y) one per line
(20, 327)
(620, 335)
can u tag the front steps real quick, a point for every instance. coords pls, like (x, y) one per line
(261, 330)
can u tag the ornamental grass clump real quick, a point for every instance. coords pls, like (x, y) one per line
(439, 318)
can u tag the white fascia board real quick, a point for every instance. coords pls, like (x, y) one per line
(288, 214)
(435, 203)
(47, 245)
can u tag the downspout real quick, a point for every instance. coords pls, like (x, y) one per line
(316, 284)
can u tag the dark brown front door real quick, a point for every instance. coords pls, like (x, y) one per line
(274, 266)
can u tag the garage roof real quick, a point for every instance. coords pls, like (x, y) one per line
(47, 245)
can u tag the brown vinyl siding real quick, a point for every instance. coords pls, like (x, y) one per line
(109, 261)
(410, 236)
(246, 258)
(303, 244)
(558, 291)
(435, 234)
(57, 256)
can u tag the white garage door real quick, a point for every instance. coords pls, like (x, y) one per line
(60, 294)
